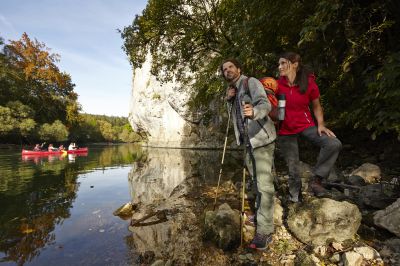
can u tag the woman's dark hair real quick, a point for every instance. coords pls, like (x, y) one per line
(303, 71)
(233, 61)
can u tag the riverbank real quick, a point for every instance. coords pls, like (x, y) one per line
(187, 227)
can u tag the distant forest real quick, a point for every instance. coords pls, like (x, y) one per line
(38, 102)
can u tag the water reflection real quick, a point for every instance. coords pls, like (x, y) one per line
(61, 207)
(37, 195)
(40, 159)
(169, 183)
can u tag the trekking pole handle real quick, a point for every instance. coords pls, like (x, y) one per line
(246, 99)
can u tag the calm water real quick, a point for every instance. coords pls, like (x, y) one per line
(58, 210)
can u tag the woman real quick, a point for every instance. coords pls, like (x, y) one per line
(51, 148)
(297, 83)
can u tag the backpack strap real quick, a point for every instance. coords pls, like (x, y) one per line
(246, 87)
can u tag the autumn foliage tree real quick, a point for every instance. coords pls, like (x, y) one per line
(33, 90)
(38, 82)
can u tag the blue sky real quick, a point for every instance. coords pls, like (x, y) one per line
(84, 33)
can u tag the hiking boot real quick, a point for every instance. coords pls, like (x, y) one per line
(315, 186)
(260, 241)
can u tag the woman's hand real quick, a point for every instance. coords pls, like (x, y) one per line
(319, 116)
(322, 129)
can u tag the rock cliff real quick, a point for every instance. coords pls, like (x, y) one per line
(160, 110)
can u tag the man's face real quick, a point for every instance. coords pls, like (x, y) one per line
(231, 72)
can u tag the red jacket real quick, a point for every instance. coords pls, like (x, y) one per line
(297, 112)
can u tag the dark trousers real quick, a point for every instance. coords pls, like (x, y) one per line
(329, 151)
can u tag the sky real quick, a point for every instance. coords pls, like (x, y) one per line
(84, 33)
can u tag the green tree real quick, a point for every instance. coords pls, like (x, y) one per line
(106, 130)
(16, 118)
(7, 122)
(56, 131)
(348, 43)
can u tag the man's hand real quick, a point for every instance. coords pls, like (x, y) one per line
(231, 93)
(248, 110)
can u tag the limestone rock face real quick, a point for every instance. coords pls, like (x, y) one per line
(161, 111)
(389, 218)
(322, 220)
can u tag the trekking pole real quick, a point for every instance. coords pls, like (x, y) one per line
(243, 185)
(245, 100)
(223, 155)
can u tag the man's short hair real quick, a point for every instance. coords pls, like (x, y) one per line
(233, 61)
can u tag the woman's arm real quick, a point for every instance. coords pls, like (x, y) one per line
(319, 115)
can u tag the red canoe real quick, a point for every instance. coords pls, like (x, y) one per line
(30, 152)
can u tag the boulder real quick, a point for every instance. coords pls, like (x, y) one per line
(303, 259)
(223, 227)
(125, 211)
(352, 258)
(377, 196)
(368, 253)
(356, 180)
(371, 173)
(322, 221)
(389, 218)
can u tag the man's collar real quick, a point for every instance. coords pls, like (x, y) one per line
(238, 82)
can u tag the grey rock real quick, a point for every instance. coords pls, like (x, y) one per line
(368, 253)
(378, 196)
(335, 258)
(158, 263)
(324, 220)
(356, 180)
(389, 218)
(124, 211)
(223, 227)
(304, 259)
(371, 173)
(352, 258)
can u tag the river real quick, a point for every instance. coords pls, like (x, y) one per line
(58, 210)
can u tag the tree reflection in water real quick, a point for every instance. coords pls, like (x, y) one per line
(37, 194)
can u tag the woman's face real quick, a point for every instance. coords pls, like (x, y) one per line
(286, 67)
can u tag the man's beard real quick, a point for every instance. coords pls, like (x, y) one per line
(231, 77)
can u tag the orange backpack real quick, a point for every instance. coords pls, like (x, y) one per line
(271, 87)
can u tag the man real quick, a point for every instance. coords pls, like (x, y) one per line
(261, 137)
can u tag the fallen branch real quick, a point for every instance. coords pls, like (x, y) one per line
(341, 185)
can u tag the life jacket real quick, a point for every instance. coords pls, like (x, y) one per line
(271, 87)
